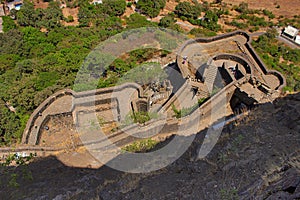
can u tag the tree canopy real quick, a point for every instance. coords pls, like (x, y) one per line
(188, 10)
(151, 8)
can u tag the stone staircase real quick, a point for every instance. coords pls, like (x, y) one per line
(210, 75)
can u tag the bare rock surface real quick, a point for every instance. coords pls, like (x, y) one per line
(256, 158)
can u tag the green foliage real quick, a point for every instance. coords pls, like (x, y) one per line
(34, 65)
(48, 18)
(10, 165)
(166, 42)
(140, 117)
(27, 15)
(187, 111)
(151, 8)
(104, 14)
(167, 21)
(129, 4)
(200, 32)
(69, 19)
(210, 21)
(242, 8)
(136, 21)
(231, 194)
(114, 7)
(8, 23)
(284, 21)
(145, 74)
(46, 79)
(8, 61)
(269, 14)
(270, 51)
(141, 146)
(188, 10)
(10, 125)
(239, 25)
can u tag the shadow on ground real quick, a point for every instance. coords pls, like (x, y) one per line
(255, 158)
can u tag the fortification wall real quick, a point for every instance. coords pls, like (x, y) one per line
(249, 47)
(153, 126)
(68, 92)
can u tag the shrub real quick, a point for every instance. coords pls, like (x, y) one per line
(151, 8)
(242, 8)
(186, 9)
(8, 23)
(200, 32)
(167, 21)
(69, 19)
(141, 146)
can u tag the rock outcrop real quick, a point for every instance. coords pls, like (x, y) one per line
(257, 157)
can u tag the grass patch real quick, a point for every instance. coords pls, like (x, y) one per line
(141, 146)
(186, 111)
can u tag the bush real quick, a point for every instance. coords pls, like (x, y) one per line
(141, 146)
(151, 8)
(187, 10)
(8, 23)
(136, 21)
(187, 111)
(167, 21)
(238, 25)
(200, 32)
(210, 21)
(269, 14)
(114, 7)
(69, 19)
(129, 4)
(242, 8)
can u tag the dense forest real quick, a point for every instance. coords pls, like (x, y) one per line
(39, 55)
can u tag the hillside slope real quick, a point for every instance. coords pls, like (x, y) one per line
(257, 159)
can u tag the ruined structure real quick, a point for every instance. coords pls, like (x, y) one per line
(210, 68)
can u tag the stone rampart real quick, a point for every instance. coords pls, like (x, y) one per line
(68, 92)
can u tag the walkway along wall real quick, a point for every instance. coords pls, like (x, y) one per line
(249, 47)
(39, 111)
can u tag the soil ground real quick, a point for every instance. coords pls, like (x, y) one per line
(288, 8)
(71, 12)
(255, 158)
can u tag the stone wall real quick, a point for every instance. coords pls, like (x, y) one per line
(247, 45)
(68, 92)
(152, 126)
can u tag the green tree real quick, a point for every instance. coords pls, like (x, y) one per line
(114, 7)
(242, 8)
(8, 23)
(188, 10)
(151, 8)
(136, 21)
(210, 21)
(51, 16)
(167, 21)
(26, 16)
(9, 125)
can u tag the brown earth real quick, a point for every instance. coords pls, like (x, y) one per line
(255, 158)
(40, 4)
(70, 12)
(288, 8)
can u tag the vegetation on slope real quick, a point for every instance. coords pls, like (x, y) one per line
(39, 56)
(281, 58)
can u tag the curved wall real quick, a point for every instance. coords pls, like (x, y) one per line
(249, 47)
(68, 92)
